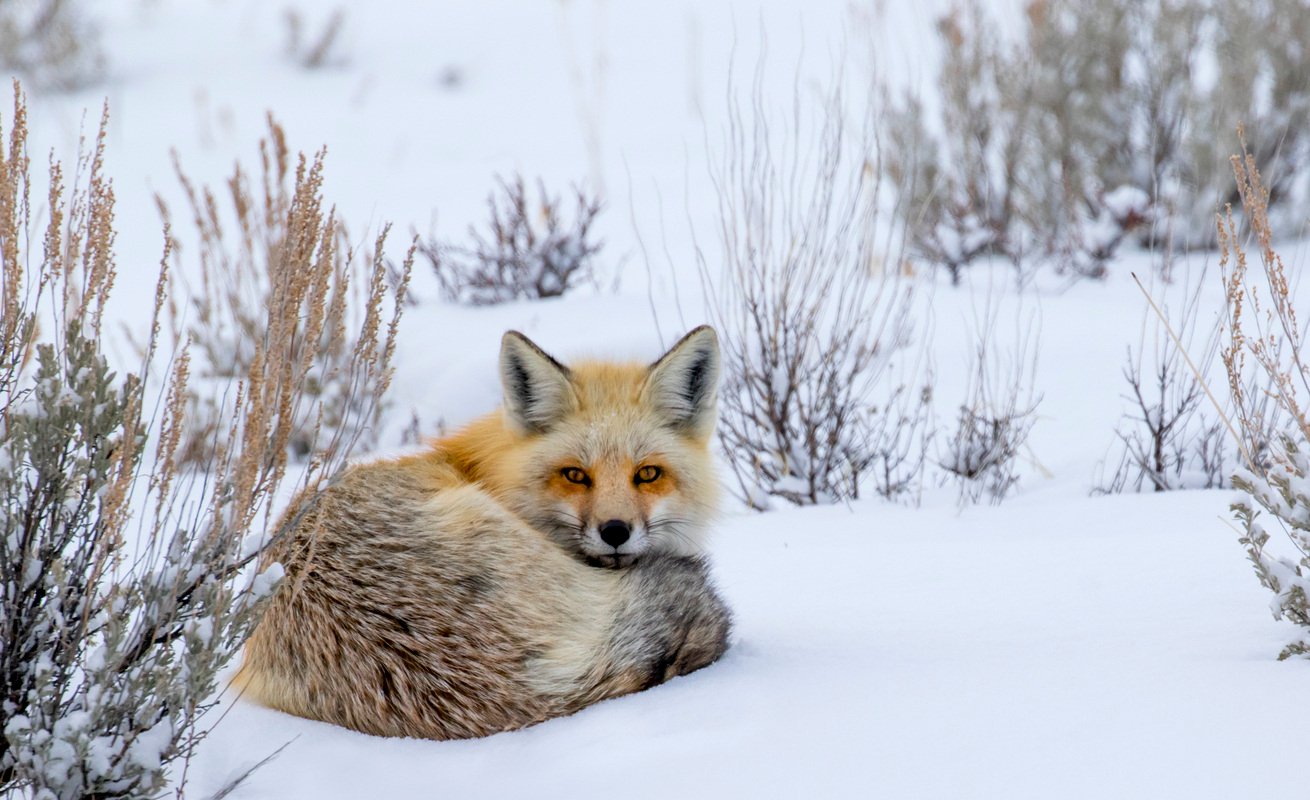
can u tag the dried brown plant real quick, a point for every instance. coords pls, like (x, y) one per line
(272, 246)
(16, 340)
(1268, 397)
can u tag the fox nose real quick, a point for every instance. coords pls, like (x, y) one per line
(615, 532)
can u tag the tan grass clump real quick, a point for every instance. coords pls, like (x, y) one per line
(275, 267)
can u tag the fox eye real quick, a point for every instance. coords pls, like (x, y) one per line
(575, 475)
(647, 474)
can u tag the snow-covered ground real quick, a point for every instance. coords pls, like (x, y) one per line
(1053, 647)
(1058, 645)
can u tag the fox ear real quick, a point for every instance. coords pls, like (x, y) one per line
(683, 384)
(538, 389)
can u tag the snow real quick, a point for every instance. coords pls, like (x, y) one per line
(149, 747)
(1057, 645)
(266, 581)
(1126, 201)
(1110, 647)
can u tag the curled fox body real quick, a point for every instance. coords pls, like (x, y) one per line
(539, 560)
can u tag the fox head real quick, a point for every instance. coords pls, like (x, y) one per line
(612, 460)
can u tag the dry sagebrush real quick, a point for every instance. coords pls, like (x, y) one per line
(126, 579)
(1262, 82)
(1263, 357)
(957, 190)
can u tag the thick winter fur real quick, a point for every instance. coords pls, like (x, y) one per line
(609, 421)
(463, 592)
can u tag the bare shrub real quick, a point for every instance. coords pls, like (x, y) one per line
(999, 410)
(310, 50)
(51, 43)
(1171, 440)
(274, 243)
(531, 250)
(901, 430)
(1264, 346)
(807, 327)
(127, 583)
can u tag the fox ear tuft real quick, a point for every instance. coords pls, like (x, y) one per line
(683, 383)
(538, 389)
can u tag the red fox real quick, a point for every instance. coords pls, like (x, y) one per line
(543, 558)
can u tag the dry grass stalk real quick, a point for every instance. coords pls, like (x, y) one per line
(15, 212)
(1265, 304)
(279, 249)
(314, 52)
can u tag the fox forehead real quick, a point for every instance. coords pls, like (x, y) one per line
(608, 439)
(612, 425)
(607, 384)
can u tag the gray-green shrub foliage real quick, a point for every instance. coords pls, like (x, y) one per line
(126, 581)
